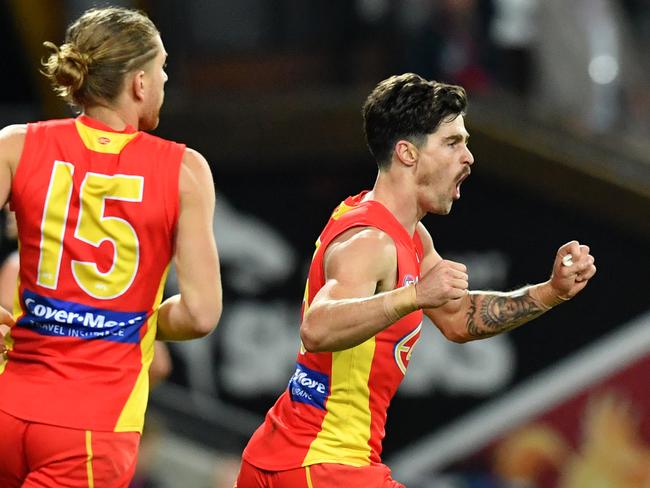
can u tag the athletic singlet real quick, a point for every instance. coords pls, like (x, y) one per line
(96, 211)
(334, 408)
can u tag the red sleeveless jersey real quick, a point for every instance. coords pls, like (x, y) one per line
(96, 212)
(334, 408)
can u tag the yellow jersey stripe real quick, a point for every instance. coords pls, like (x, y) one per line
(132, 416)
(89, 459)
(340, 210)
(345, 431)
(103, 141)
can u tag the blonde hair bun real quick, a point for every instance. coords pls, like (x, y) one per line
(66, 67)
(100, 48)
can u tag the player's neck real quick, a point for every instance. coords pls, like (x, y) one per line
(116, 119)
(394, 191)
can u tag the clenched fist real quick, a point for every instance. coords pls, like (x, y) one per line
(568, 279)
(446, 281)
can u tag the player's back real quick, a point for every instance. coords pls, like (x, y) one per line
(96, 213)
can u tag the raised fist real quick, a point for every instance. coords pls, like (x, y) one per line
(446, 281)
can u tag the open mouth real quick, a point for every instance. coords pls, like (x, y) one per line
(460, 182)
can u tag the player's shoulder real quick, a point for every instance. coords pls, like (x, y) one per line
(194, 162)
(361, 252)
(193, 157)
(365, 241)
(364, 234)
(195, 171)
(12, 142)
(14, 131)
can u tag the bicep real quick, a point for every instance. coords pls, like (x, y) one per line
(355, 266)
(194, 235)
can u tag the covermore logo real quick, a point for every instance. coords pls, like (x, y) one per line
(51, 317)
(309, 386)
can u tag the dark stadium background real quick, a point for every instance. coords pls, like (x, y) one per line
(270, 93)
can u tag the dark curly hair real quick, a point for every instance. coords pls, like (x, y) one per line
(408, 107)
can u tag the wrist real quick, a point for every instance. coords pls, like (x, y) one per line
(400, 302)
(545, 295)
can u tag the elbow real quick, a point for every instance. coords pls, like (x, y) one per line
(209, 322)
(311, 340)
(206, 319)
(454, 334)
(459, 339)
(203, 327)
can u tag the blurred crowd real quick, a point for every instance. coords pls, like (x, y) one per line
(579, 63)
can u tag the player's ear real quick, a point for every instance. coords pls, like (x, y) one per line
(137, 84)
(406, 152)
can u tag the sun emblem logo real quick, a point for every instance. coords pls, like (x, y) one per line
(404, 348)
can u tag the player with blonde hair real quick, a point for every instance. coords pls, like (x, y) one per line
(102, 207)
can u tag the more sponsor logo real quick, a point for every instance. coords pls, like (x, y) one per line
(309, 386)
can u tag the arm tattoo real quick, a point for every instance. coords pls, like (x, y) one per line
(490, 314)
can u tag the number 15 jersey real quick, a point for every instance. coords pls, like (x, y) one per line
(96, 212)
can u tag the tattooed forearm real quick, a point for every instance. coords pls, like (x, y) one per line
(491, 313)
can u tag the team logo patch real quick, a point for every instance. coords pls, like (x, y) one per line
(51, 317)
(404, 348)
(103, 140)
(409, 280)
(309, 386)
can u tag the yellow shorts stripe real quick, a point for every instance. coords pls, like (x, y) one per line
(308, 474)
(89, 459)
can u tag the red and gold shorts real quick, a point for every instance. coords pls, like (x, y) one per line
(39, 455)
(317, 476)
